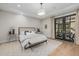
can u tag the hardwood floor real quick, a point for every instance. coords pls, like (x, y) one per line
(66, 49)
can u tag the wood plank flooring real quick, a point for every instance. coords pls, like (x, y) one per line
(66, 49)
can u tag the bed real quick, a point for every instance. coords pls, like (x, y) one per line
(29, 38)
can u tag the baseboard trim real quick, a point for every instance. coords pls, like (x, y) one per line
(7, 42)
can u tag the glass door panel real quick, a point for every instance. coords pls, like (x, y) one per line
(65, 28)
(73, 27)
(59, 28)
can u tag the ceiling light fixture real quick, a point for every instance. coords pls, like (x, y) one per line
(41, 11)
(18, 5)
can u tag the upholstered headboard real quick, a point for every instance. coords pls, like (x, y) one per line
(28, 29)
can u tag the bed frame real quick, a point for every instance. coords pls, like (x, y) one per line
(31, 45)
(29, 29)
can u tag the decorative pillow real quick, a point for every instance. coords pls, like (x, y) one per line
(25, 32)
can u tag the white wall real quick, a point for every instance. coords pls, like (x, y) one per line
(47, 31)
(8, 20)
(52, 28)
(77, 28)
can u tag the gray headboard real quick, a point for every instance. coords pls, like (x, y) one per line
(29, 29)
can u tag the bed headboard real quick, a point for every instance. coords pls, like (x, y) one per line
(29, 29)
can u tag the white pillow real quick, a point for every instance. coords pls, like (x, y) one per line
(28, 33)
(33, 32)
(22, 33)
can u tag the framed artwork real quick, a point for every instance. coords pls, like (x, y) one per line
(45, 26)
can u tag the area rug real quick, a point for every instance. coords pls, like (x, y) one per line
(14, 49)
(43, 49)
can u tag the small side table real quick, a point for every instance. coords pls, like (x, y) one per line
(12, 37)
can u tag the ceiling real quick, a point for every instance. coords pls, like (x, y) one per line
(31, 9)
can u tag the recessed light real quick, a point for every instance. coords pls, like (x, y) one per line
(18, 5)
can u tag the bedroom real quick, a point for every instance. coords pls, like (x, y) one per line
(23, 27)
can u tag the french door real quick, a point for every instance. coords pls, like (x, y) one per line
(64, 28)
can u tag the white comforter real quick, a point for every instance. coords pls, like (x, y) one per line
(32, 38)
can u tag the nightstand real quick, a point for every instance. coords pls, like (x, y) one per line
(12, 37)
